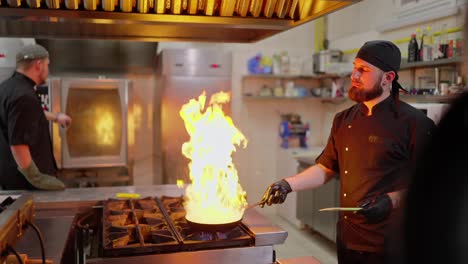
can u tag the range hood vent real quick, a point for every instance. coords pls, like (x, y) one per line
(105, 56)
(239, 21)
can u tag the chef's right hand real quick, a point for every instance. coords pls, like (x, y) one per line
(276, 193)
(64, 120)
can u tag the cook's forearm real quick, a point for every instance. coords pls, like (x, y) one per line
(50, 116)
(310, 178)
(22, 155)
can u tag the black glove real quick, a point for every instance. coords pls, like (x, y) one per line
(376, 209)
(276, 193)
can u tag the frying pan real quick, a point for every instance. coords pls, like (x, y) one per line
(218, 227)
(213, 227)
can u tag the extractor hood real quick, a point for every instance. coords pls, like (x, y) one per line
(239, 21)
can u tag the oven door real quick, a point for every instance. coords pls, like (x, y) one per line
(99, 112)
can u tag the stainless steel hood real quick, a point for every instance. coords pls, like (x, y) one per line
(49, 23)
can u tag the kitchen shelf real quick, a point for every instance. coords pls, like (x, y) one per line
(340, 100)
(286, 76)
(428, 98)
(276, 98)
(428, 64)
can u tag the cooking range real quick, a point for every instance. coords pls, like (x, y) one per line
(158, 225)
(154, 229)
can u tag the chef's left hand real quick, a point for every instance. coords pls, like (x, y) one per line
(376, 209)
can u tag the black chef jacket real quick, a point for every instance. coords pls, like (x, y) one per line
(373, 155)
(22, 122)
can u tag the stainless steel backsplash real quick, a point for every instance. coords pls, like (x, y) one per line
(94, 56)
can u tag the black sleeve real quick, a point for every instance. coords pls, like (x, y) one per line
(23, 120)
(421, 135)
(329, 156)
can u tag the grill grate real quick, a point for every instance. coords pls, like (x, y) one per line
(158, 225)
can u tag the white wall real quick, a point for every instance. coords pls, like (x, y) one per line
(8, 49)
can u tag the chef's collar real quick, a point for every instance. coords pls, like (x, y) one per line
(385, 105)
(20, 75)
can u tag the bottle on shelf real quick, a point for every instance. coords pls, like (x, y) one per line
(443, 47)
(421, 45)
(426, 43)
(413, 49)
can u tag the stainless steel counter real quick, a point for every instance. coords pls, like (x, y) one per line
(103, 193)
(68, 202)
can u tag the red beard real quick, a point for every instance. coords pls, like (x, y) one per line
(361, 95)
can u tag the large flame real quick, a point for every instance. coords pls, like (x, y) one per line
(215, 195)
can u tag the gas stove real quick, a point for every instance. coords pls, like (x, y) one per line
(160, 235)
(154, 230)
(157, 225)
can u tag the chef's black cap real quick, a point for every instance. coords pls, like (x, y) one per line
(384, 55)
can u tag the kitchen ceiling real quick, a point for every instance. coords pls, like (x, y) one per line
(157, 25)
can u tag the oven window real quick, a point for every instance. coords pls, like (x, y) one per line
(97, 122)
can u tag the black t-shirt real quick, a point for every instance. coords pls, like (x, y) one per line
(373, 155)
(22, 122)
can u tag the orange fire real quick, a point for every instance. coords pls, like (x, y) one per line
(215, 195)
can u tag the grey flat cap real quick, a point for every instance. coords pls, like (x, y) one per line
(31, 52)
